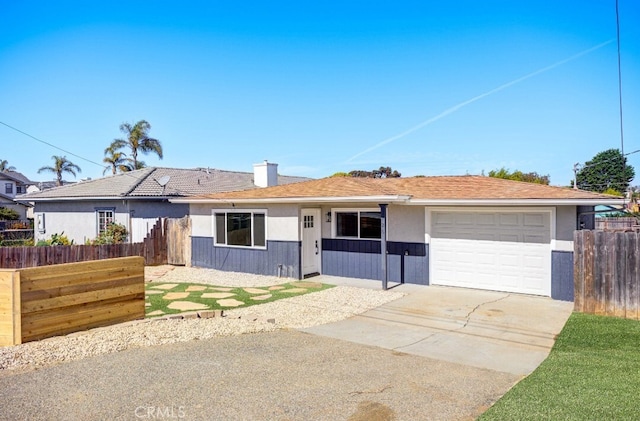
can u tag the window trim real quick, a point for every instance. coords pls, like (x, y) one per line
(334, 222)
(98, 210)
(252, 211)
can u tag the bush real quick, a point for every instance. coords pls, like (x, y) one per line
(56, 240)
(7, 214)
(113, 234)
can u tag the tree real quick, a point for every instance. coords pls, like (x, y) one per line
(382, 172)
(5, 167)
(606, 170)
(116, 160)
(61, 165)
(137, 140)
(529, 177)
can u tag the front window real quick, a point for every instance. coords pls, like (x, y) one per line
(105, 217)
(20, 190)
(358, 224)
(8, 188)
(242, 229)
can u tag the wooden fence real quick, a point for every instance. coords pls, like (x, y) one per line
(153, 249)
(178, 234)
(616, 224)
(37, 303)
(607, 273)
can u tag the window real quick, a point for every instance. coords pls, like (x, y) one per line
(20, 190)
(358, 224)
(8, 188)
(243, 229)
(104, 217)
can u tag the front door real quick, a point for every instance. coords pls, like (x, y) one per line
(311, 241)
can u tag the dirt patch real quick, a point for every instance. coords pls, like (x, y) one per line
(372, 411)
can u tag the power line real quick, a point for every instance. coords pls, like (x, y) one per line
(53, 146)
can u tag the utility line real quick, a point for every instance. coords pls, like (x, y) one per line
(52, 145)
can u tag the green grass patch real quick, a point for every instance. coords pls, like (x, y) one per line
(158, 302)
(592, 373)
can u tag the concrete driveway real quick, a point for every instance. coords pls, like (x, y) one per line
(511, 333)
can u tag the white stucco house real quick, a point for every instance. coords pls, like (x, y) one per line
(135, 199)
(12, 184)
(463, 231)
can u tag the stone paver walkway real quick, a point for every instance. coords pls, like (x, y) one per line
(223, 295)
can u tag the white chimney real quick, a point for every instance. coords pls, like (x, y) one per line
(265, 174)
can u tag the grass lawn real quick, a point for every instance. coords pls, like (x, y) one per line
(592, 373)
(248, 298)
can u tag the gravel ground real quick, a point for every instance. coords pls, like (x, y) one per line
(308, 310)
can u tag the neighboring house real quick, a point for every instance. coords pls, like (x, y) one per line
(12, 184)
(464, 231)
(135, 199)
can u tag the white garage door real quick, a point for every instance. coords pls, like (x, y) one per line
(501, 251)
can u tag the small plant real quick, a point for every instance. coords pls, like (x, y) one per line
(56, 240)
(114, 233)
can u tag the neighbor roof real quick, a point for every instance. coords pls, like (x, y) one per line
(414, 190)
(16, 176)
(145, 183)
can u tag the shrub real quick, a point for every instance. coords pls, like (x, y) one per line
(7, 214)
(113, 234)
(56, 240)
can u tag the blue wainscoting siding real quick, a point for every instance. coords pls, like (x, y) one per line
(361, 259)
(280, 258)
(562, 275)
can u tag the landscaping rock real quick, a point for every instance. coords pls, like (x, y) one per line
(187, 306)
(261, 297)
(255, 290)
(165, 286)
(230, 302)
(175, 295)
(191, 288)
(294, 290)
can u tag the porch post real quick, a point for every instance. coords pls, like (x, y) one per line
(383, 244)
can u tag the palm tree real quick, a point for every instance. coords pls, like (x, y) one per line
(5, 167)
(116, 160)
(138, 140)
(62, 165)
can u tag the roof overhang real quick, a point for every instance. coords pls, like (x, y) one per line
(319, 199)
(85, 198)
(406, 200)
(516, 202)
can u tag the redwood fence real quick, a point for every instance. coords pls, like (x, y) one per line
(607, 273)
(153, 249)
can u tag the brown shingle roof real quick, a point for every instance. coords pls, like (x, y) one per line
(417, 188)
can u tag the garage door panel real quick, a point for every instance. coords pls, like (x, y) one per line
(504, 251)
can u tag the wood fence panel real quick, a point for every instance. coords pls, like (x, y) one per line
(589, 257)
(65, 298)
(620, 261)
(9, 307)
(578, 271)
(633, 278)
(178, 241)
(609, 275)
(606, 273)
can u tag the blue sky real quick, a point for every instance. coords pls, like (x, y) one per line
(430, 88)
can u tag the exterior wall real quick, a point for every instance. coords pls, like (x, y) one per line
(281, 258)
(565, 222)
(406, 262)
(562, 275)
(77, 219)
(282, 220)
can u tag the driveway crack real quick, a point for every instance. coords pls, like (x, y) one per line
(466, 322)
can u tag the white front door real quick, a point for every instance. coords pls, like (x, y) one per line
(311, 241)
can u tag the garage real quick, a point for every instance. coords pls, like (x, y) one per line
(491, 249)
